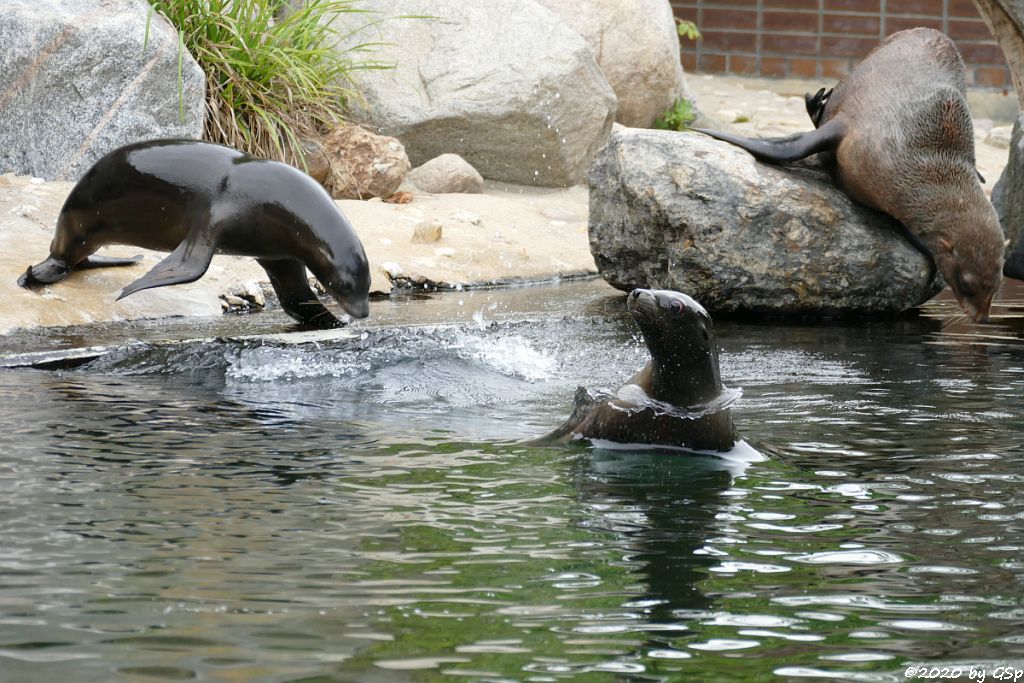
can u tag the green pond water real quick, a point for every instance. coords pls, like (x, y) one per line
(364, 510)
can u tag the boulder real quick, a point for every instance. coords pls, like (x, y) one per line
(79, 78)
(364, 164)
(504, 83)
(682, 211)
(314, 160)
(637, 47)
(1008, 198)
(447, 173)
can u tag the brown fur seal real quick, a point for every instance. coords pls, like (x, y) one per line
(903, 143)
(677, 399)
(194, 199)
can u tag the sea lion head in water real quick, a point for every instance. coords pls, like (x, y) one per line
(676, 400)
(684, 353)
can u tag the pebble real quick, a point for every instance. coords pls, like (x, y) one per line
(392, 269)
(426, 232)
(999, 137)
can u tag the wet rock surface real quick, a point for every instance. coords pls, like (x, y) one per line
(1008, 198)
(681, 211)
(505, 84)
(83, 78)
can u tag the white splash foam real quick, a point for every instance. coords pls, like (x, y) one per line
(267, 364)
(513, 356)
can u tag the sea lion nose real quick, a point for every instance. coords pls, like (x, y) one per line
(359, 308)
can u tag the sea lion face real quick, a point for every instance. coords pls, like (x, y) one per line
(676, 328)
(347, 279)
(974, 272)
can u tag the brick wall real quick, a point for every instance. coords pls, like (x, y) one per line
(826, 38)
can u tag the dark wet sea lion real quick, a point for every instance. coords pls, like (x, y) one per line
(195, 199)
(676, 399)
(903, 143)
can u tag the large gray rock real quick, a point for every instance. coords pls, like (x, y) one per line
(504, 83)
(637, 47)
(1008, 198)
(78, 78)
(682, 211)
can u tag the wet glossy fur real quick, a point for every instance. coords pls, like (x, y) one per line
(195, 199)
(683, 373)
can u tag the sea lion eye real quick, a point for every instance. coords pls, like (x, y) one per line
(965, 283)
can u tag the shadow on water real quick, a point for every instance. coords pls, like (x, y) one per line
(364, 509)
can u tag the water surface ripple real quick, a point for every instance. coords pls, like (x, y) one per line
(365, 510)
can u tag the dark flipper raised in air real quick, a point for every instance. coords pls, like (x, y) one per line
(187, 263)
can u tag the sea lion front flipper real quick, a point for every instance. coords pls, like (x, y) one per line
(186, 263)
(583, 402)
(95, 261)
(782, 150)
(289, 280)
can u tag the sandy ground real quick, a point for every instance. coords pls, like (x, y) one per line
(506, 235)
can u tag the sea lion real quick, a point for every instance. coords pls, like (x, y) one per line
(902, 142)
(194, 199)
(677, 399)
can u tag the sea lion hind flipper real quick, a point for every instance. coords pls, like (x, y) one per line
(45, 273)
(95, 261)
(583, 401)
(187, 263)
(288, 277)
(816, 104)
(782, 150)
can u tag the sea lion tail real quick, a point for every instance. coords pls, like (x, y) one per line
(783, 150)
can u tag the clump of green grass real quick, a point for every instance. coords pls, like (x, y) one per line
(273, 77)
(680, 115)
(677, 117)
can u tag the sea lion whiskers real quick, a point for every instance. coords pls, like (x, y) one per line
(953, 319)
